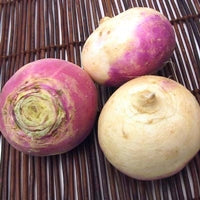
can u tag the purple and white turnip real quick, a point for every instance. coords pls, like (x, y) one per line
(150, 128)
(47, 107)
(134, 43)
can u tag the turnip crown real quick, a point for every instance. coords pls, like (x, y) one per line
(37, 112)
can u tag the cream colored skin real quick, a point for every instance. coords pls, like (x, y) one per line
(110, 40)
(150, 128)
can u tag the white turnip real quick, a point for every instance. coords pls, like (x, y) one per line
(150, 128)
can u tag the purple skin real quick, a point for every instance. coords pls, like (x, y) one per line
(156, 44)
(80, 91)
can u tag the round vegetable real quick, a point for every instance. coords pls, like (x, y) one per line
(47, 107)
(155, 130)
(134, 43)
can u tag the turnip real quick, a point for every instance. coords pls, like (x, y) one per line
(47, 107)
(150, 128)
(134, 43)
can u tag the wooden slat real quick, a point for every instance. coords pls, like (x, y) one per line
(78, 176)
(157, 189)
(62, 21)
(4, 170)
(56, 177)
(196, 183)
(33, 15)
(47, 31)
(65, 172)
(31, 185)
(94, 170)
(76, 33)
(51, 194)
(52, 25)
(179, 186)
(19, 15)
(84, 179)
(18, 176)
(90, 178)
(44, 178)
(71, 177)
(149, 190)
(28, 33)
(57, 30)
(71, 32)
(197, 162)
(102, 169)
(38, 177)
(42, 28)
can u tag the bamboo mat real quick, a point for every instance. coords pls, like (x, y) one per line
(34, 29)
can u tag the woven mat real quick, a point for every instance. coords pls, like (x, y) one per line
(34, 29)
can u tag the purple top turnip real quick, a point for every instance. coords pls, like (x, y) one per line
(47, 107)
(134, 43)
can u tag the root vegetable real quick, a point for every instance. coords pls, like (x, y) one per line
(47, 107)
(134, 43)
(150, 128)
